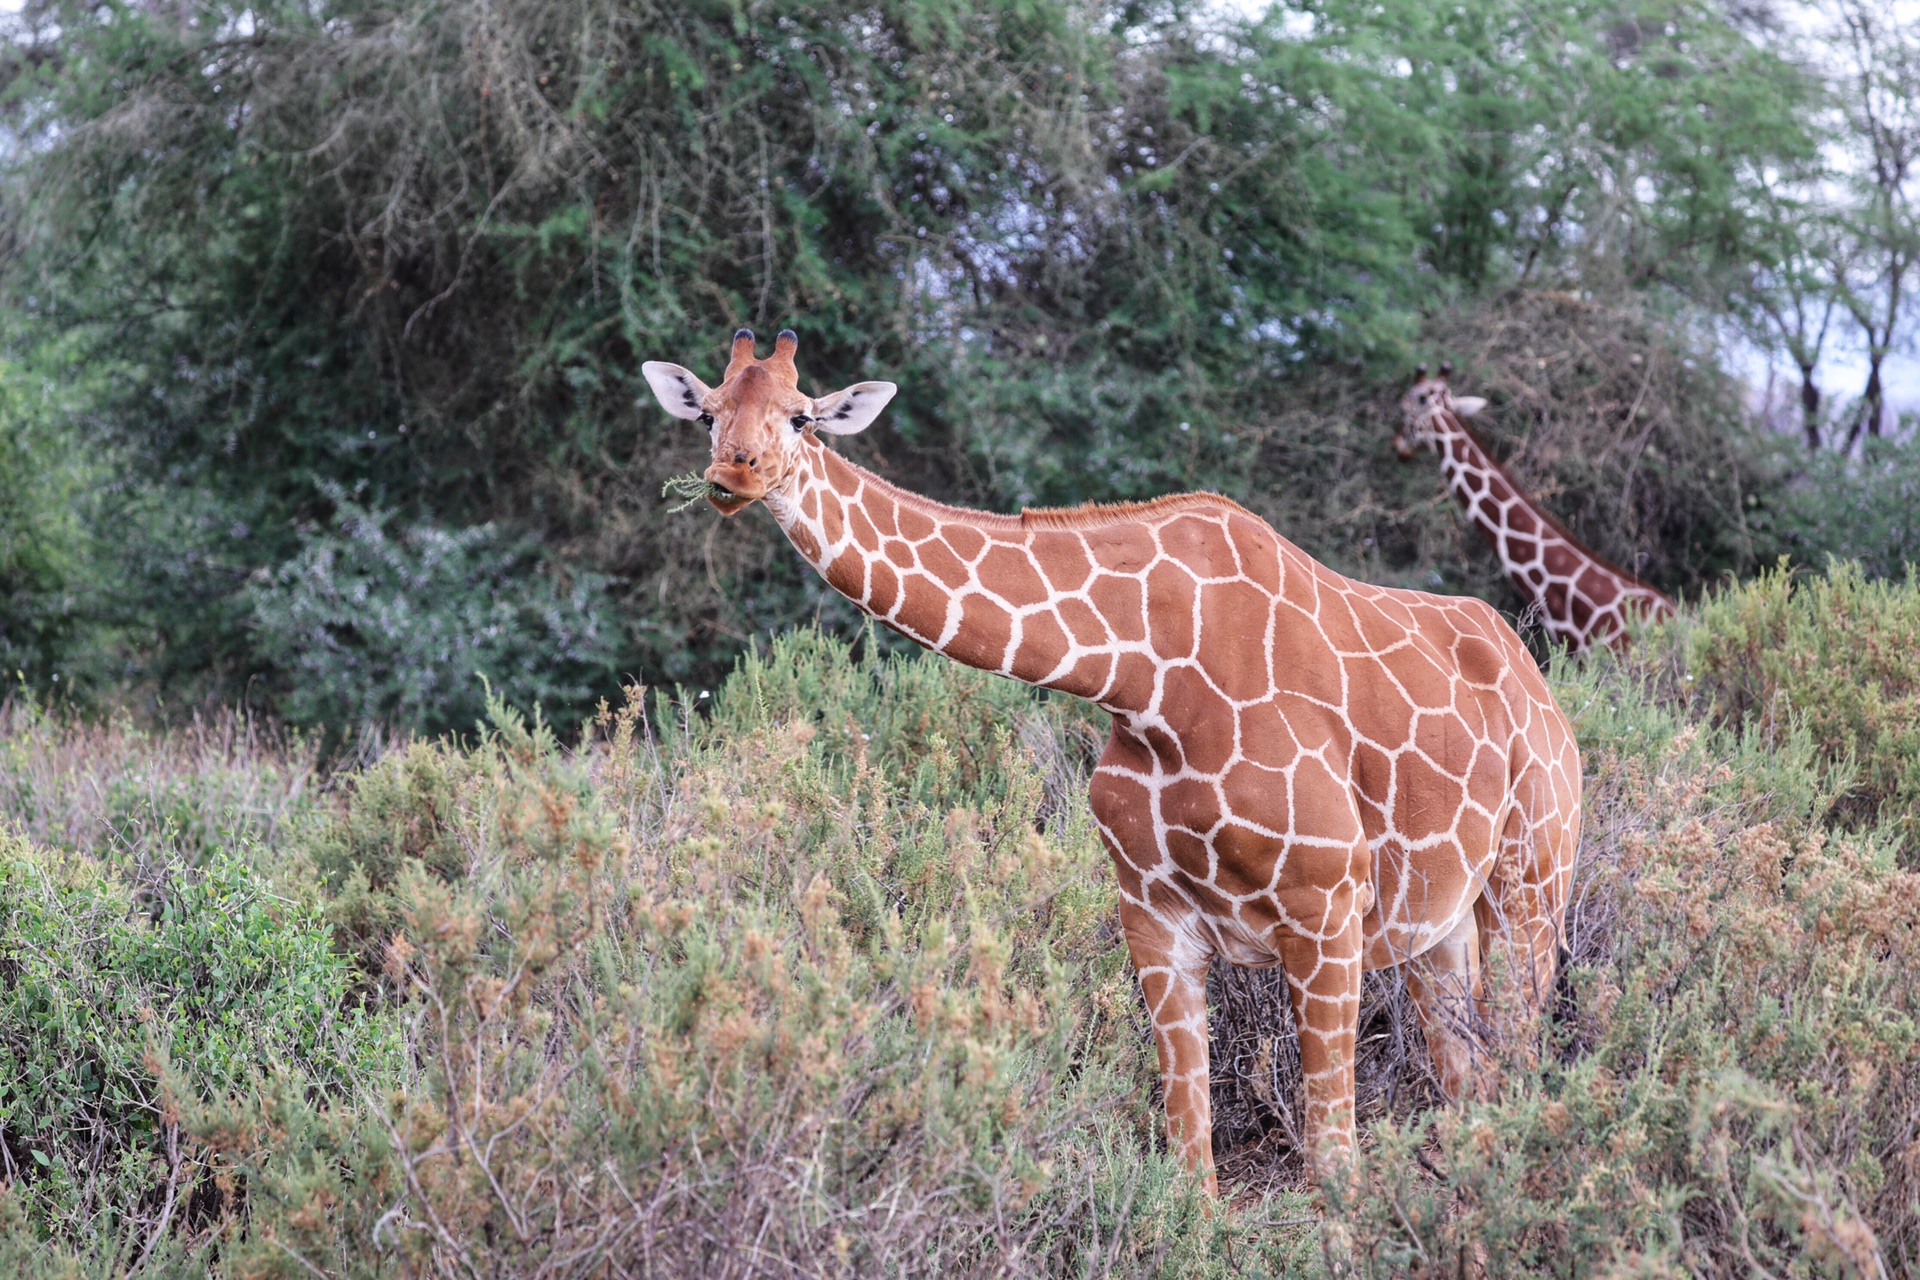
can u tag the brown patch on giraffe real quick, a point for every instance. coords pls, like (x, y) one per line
(1187, 701)
(1171, 595)
(1478, 662)
(1418, 811)
(1082, 623)
(802, 538)
(885, 512)
(1200, 544)
(1191, 803)
(1259, 552)
(1122, 603)
(1089, 675)
(884, 586)
(1300, 588)
(1372, 770)
(1246, 861)
(865, 536)
(1068, 564)
(925, 606)
(833, 520)
(899, 554)
(1122, 549)
(1010, 574)
(985, 632)
(810, 504)
(1043, 643)
(938, 560)
(915, 525)
(1189, 853)
(1241, 669)
(1132, 686)
(1266, 737)
(1474, 830)
(965, 541)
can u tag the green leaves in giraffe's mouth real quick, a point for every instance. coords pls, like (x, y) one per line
(692, 488)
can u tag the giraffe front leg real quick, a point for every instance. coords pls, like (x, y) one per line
(1323, 977)
(1171, 965)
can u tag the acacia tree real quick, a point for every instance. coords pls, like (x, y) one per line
(1787, 297)
(1873, 261)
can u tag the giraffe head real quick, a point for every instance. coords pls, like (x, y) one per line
(1421, 407)
(757, 417)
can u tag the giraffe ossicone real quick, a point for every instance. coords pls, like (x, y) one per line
(1580, 598)
(1304, 770)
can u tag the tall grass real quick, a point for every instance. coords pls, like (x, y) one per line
(820, 975)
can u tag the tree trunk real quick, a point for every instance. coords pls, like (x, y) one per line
(1810, 408)
(1875, 393)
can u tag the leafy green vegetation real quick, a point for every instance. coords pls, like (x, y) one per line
(826, 978)
(362, 292)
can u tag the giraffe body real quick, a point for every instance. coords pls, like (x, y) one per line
(1303, 771)
(1580, 598)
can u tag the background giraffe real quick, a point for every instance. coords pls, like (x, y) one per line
(1304, 770)
(1581, 598)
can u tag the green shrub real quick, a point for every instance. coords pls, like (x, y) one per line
(116, 1008)
(763, 975)
(1864, 509)
(1836, 656)
(368, 625)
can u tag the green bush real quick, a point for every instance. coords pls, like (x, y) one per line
(373, 626)
(1838, 657)
(1864, 509)
(119, 1008)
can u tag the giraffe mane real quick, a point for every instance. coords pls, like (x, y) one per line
(1542, 514)
(1088, 515)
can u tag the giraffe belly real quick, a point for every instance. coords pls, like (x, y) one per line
(1410, 915)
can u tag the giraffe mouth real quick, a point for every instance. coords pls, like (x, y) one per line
(1403, 447)
(737, 487)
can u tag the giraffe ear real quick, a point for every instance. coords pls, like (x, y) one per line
(854, 409)
(677, 390)
(1467, 406)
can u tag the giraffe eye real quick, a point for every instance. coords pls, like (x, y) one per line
(800, 421)
(706, 419)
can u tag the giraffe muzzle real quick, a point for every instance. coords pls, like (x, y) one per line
(1402, 447)
(744, 485)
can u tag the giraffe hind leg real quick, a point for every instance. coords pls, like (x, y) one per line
(1519, 920)
(1445, 984)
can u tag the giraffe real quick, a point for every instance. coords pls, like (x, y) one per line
(1303, 770)
(1580, 598)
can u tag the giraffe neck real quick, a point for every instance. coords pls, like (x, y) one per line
(983, 589)
(1579, 596)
